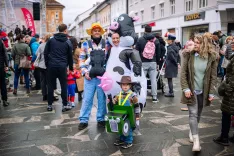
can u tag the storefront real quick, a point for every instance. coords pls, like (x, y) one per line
(190, 31)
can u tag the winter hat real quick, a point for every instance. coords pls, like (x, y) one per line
(171, 37)
(148, 28)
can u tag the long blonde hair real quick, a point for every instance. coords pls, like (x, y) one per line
(206, 46)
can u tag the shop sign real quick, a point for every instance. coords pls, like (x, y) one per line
(150, 24)
(195, 16)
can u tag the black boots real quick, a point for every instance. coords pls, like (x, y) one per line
(221, 140)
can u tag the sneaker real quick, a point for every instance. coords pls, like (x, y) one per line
(222, 141)
(102, 124)
(169, 95)
(66, 108)
(231, 139)
(118, 142)
(155, 100)
(82, 126)
(73, 104)
(127, 145)
(5, 103)
(49, 108)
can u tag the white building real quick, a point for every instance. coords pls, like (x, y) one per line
(184, 17)
(118, 7)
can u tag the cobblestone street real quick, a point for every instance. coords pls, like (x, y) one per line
(26, 128)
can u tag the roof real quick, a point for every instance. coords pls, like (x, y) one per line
(54, 3)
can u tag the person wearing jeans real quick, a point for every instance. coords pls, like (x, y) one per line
(198, 78)
(58, 55)
(91, 82)
(3, 67)
(18, 50)
(150, 64)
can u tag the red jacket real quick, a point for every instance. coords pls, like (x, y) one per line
(71, 78)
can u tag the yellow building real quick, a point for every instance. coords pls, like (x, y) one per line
(54, 15)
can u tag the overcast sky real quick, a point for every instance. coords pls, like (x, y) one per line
(75, 7)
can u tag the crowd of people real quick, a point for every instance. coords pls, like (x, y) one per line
(203, 59)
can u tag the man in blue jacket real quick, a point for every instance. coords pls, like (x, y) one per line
(58, 55)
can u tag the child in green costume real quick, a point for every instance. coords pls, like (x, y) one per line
(126, 98)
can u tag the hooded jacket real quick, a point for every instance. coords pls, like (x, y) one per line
(58, 52)
(34, 46)
(140, 45)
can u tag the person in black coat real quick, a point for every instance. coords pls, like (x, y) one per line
(3, 67)
(171, 69)
(162, 48)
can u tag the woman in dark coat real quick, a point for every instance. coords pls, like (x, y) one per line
(227, 106)
(171, 70)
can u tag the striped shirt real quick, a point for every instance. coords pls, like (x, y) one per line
(85, 54)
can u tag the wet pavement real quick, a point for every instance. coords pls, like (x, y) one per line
(26, 128)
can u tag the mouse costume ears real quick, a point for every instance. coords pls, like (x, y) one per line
(94, 26)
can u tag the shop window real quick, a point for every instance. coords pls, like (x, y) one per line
(202, 3)
(162, 9)
(142, 15)
(172, 3)
(188, 5)
(153, 12)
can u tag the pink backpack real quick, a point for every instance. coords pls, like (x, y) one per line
(149, 49)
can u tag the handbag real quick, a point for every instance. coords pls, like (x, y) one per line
(24, 62)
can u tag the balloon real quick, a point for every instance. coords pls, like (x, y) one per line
(106, 82)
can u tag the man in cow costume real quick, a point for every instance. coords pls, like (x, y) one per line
(124, 61)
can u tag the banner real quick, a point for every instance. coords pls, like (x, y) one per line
(29, 20)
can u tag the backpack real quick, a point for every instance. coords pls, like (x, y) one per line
(149, 49)
(97, 60)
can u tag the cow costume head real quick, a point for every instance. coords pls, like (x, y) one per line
(124, 26)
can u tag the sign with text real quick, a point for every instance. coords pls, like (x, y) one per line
(29, 20)
(195, 16)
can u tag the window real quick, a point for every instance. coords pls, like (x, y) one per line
(172, 2)
(153, 12)
(202, 3)
(162, 9)
(142, 15)
(189, 5)
(56, 15)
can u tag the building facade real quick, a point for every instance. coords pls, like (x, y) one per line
(118, 7)
(183, 17)
(54, 15)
